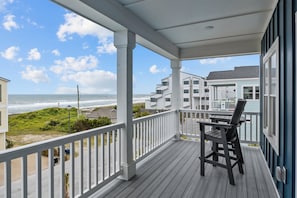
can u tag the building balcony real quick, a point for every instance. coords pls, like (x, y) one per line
(89, 163)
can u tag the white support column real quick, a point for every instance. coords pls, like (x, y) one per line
(175, 97)
(124, 41)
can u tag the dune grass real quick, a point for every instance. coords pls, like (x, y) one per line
(46, 121)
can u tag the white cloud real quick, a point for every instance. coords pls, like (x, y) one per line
(97, 81)
(75, 24)
(154, 69)
(106, 48)
(70, 64)
(34, 74)
(9, 23)
(56, 52)
(211, 61)
(10, 53)
(4, 3)
(34, 54)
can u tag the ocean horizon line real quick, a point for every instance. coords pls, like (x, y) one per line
(28, 103)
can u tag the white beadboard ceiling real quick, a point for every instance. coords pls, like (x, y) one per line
(184, 29)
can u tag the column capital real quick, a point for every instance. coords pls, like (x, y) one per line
(175, 64)
(124, 39)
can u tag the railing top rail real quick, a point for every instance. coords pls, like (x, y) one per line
(46, 144)
(136, 120)
(215, 112)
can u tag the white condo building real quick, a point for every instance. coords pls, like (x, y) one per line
(219, 91)
(194, 93)
(3, 112)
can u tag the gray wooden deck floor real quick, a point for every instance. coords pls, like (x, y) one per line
(175, 172)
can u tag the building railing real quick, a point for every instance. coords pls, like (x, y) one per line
(223, 104)
(249, 131)
(69, 166)
(151, 132)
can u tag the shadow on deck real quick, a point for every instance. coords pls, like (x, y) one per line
(174, 171)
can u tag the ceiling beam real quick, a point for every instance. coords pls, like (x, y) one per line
(242, 47)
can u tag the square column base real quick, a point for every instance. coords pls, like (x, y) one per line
(129, 171)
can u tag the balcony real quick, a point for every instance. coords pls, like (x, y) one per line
(165, 167)
(175, 172)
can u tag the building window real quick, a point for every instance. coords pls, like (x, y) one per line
(153, 99)
(196, 90)
(251, 92)
(206, 90)
(196, 82)
(186, 91)
(186, 82)
(248, 92)
(165, 83)
(271, 95)
(159, 91)
(205, 83)
(186, 99)
(167, 99)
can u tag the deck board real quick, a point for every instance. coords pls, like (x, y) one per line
(175, 172)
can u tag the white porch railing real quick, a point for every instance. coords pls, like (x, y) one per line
(150, 132)
(79, 164)
(249, 131)
(91, 159)
(94, 155)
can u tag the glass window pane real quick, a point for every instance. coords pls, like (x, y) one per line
(266, 77)
(273, 74)
(272, 115)
(196, 82)
(265, 113)
(248, 92)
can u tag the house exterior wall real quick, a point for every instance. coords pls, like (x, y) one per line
(236, 87)
(3, 112)
(282, 26)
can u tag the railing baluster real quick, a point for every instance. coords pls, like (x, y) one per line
(114, 152)
(62, 170)
(72, 169)
(90, 163)
(51, 172)
(25, 176)
(38, 174)
(108, 153)
(96, 159)
(102, 158)
(8, 178)
(81, 154)
(134, 141)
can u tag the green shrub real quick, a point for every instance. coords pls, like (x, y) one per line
(85, 124)
(141, 114)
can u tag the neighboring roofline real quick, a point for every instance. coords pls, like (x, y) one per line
(4, 79)
(239, 72)
(231, 80)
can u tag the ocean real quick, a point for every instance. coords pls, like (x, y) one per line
(27, 103)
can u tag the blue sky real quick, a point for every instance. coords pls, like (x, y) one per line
(46, 49)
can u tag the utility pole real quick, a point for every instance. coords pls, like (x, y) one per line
(78, 111)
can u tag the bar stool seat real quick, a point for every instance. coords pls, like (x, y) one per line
(224, 137)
